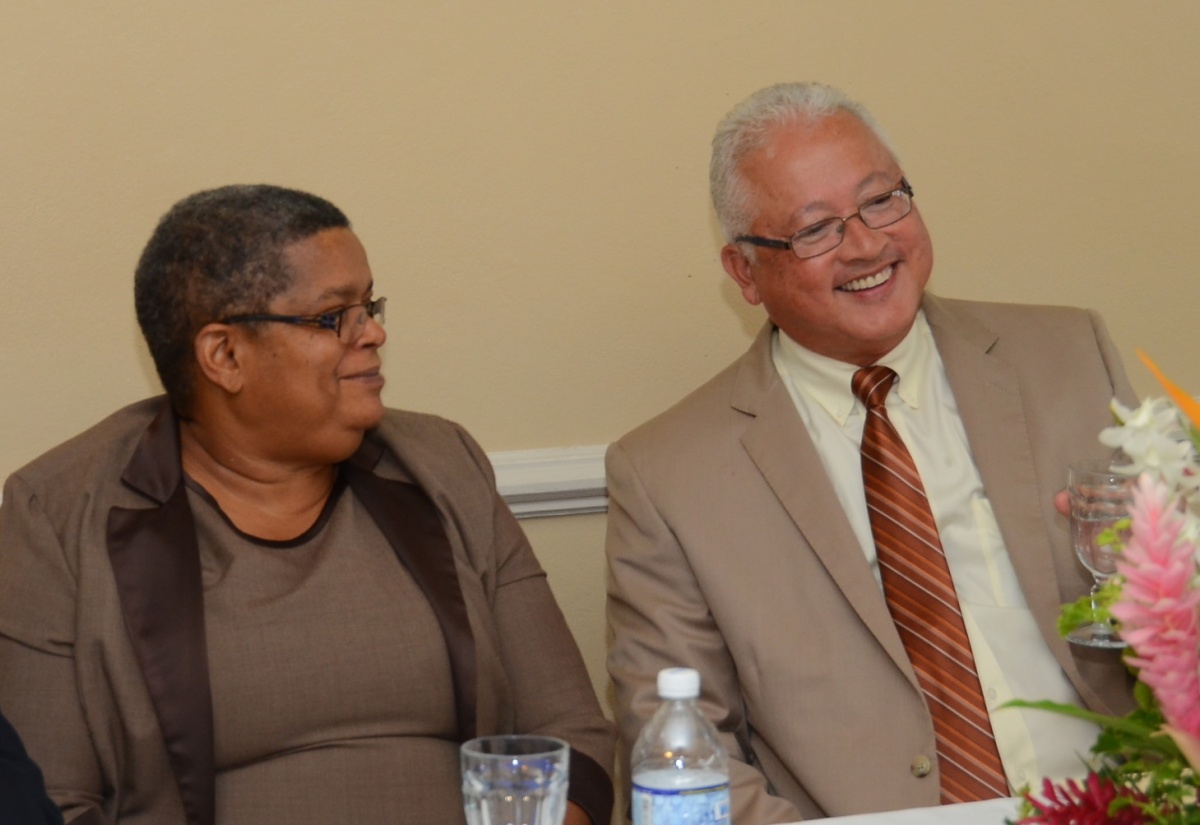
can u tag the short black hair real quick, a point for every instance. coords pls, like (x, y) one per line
(215, 254)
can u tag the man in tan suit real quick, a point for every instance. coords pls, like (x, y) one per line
(739, 540)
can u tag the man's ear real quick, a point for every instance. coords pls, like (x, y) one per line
(741, 270)
(218, 348)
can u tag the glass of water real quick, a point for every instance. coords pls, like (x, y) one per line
(515, 780)
(1099, 498)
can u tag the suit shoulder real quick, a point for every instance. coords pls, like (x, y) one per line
(1044, 343)
(1022, 330)
(706, 409)
(1004, 317)
(427, 439)
(411, 424)
(107, 444)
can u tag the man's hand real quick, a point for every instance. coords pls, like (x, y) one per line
(1062, 503)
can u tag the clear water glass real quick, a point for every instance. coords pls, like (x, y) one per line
(515, 780)
(1099, 499)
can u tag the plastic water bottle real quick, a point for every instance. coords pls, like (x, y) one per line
(680, 770)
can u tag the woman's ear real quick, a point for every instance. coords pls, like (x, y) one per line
(218, 348)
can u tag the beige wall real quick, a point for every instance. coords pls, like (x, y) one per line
(529, 179)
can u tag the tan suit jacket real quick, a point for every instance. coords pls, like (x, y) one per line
(102, 638)
(730, 553)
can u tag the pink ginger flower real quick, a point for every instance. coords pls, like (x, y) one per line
(1158, 605)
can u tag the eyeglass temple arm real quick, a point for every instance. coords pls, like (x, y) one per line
(767, 242)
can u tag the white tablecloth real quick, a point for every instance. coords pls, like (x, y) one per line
(991, 812)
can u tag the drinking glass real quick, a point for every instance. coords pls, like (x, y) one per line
(1099, 499)
(515, 780)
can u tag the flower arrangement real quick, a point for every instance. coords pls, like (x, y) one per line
(1149, 760)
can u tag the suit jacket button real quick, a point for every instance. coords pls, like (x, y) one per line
(921, 766)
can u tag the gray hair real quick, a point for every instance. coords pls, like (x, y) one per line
(746, 129)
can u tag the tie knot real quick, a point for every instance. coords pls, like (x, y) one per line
(872, 384)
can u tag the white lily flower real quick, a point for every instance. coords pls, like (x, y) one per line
(1153, 438)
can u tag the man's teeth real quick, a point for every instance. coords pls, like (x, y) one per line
(868, 282)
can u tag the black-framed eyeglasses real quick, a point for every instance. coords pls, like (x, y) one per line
(825, 236)
(347, 323)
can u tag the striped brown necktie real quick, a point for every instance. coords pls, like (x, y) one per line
(920, 595)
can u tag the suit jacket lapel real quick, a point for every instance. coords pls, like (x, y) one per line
(156, 564)
(989, 401)
(782, 450)
(412, 525)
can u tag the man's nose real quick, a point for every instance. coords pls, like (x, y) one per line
(860, 240)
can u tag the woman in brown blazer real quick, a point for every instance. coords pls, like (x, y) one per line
(264, 597)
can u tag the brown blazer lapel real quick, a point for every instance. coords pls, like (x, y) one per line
(782, 450)
(156, 563)
(411, 523)
(988, 395)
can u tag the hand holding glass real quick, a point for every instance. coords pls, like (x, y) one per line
(515, 780)
(1099, 500)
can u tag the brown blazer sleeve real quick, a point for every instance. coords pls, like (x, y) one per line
(37, 652)
(551, 692)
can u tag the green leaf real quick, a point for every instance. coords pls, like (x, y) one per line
(1075, 614)
(1144, 697)
(1124, 724)
(1087, 609)
(1113, 536)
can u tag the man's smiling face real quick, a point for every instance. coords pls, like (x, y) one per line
(857, 301)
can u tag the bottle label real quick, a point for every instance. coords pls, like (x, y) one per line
(681, 806)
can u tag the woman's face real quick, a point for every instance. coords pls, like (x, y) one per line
(309, 393)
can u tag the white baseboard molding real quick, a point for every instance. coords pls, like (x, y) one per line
(561, 481)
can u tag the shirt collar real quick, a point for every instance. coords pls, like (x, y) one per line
(827, 381)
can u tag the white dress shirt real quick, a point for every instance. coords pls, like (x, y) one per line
(1011, 657)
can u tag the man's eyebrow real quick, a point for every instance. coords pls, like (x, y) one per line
(864, 188)
(878, 178)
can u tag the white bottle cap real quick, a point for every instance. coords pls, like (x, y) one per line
(678, 683)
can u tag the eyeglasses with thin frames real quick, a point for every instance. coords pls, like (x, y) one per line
(826, 236)
(347, 322)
